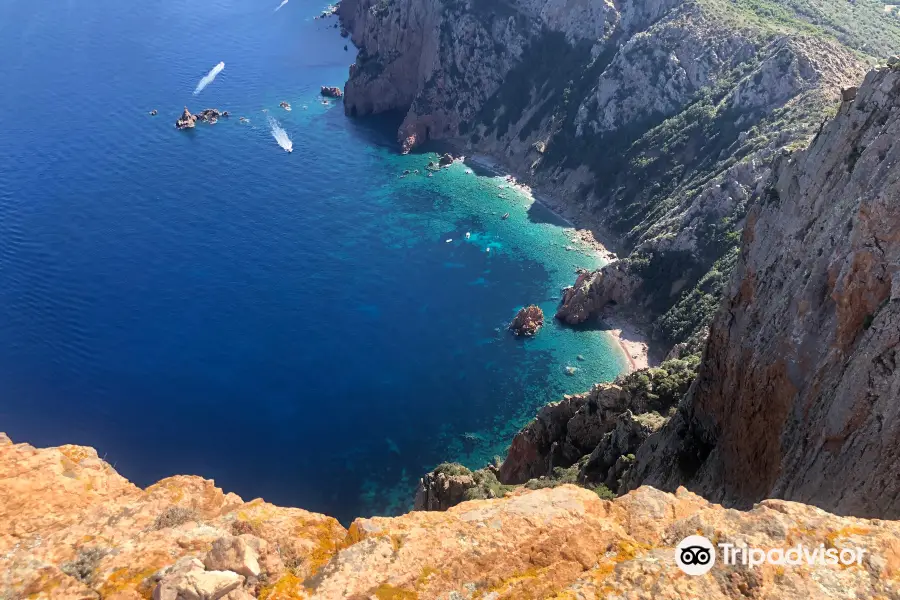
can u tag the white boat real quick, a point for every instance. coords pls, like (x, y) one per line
(468, 235)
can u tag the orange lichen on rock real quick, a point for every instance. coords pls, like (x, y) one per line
(111, 542)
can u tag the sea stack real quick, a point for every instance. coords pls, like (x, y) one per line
(528, 321)
(331, 92)
(186, 121)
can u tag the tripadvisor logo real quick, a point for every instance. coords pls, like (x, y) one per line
(696, 555)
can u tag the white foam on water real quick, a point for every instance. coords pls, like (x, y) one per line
(283, 2)
(209, 77)
(280, 135)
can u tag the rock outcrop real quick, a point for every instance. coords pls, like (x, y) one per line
(73, 529)
(597, 427)
(797, 394)
(528, 321)
(187, 120)
(595, 290)
(331, 92)
(444, 487)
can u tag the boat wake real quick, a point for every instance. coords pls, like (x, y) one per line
(209, 77)
(280, 135)
(283, 2)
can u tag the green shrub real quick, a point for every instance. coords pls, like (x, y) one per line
(604, 492)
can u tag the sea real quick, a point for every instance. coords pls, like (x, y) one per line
(310, 327)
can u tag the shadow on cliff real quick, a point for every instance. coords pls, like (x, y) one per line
(378, 130)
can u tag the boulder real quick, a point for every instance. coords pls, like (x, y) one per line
(849, 94)
(233, 554)
(528, 321)
(187, 580)
(445, 160)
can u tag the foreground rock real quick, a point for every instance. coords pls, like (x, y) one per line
(71, 528)
(331, 92)
(528, 321)
(797, 396)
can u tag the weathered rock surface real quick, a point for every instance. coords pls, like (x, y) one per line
(595, 290)
(528, 321)
(563, 542)
(797, 395)
(64, 509)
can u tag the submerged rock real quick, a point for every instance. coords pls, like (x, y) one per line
(528, 321)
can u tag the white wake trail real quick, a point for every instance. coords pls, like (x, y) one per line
(283, 2)
(209, 77)
(281, 135)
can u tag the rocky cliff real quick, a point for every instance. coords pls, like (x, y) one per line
(71, 528)
(797, 395)
(653, 123)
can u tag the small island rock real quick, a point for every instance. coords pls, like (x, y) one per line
(528, 321)
(446, 159)
(186, 121)
(331, 92)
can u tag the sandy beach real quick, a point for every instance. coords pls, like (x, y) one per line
(633, 343)
(631, 340)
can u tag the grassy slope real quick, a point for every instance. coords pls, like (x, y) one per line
(862, 25)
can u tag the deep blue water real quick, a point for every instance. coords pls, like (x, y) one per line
(295, 326)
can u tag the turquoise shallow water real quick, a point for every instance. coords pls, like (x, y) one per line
(293, 325)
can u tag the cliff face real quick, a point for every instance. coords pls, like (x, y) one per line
(654, 123)
(71, 528)
(797, 395)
